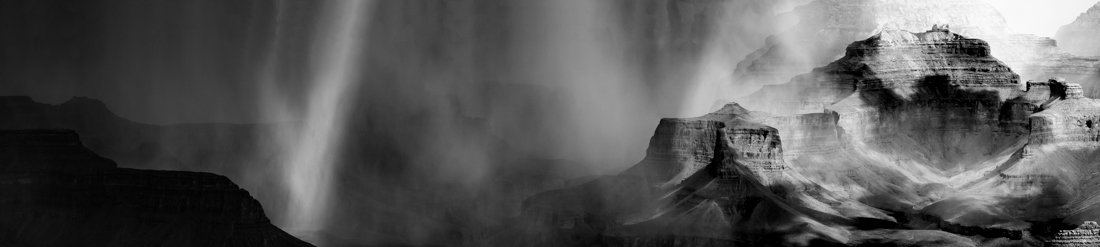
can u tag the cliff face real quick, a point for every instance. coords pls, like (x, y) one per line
(681, 148)
(58, 193)
(1070, 120)
(827, 26)
(381, 206)
(833, 24)
(1079, 36)
(891, 67)
(907, 130)
(1036, 57)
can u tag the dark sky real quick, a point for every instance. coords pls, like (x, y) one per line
(440, 86)
(150, 61)
(171, 61)
(587, 80)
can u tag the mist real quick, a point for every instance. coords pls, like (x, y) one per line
(407, 122)
(1040, 18)
(397, 122)
(454, 112)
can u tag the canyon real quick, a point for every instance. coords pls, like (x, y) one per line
(59, 193)
(496, 123)
(833, 23)
(909, 139)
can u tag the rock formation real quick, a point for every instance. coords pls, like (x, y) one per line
(1088, 234)
(894, 66)
(826, 26)
(398, 210)
(1072, 119)
(1079, 37)
(1036, 57)
(831, 24)
(906, 131)
(58, 193)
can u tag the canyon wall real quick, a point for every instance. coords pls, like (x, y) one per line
(906, 131)
(1079, 36)
(58, 193)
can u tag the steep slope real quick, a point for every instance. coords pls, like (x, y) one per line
(1079, 37)
(712, 180)
(917, 115)
(58, 193)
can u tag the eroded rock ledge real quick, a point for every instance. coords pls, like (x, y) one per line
(906, 131)
(55, 192)
(1088, 234)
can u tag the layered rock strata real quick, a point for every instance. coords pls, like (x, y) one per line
(1036, 57)
(1072, 119)
(892, 67)
(926, 126)
(831, 24)
(1088, 234)
(683, 147)
(58, 193)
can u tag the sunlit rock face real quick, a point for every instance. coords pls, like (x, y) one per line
(902, 117)
(826, 26)
(58, 193)
(1070, 120)
(1079, 37)
(1088, 234)
(906, 131)
(891, 66)
(833, 24)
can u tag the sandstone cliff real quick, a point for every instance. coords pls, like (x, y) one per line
(58, 193)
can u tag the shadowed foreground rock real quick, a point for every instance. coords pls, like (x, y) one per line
(55, 192)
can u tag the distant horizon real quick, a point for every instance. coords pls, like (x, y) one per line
(1041, 18)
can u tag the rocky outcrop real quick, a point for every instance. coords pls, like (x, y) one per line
(678, 149)
(1088, 234)
(58, 193)
(723, 174)
(832, 24)
(1036, 57)
(1072, 119)
(927, 126)
(892, 67)
(826, 26)
(1079, 37)
(683, 147)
